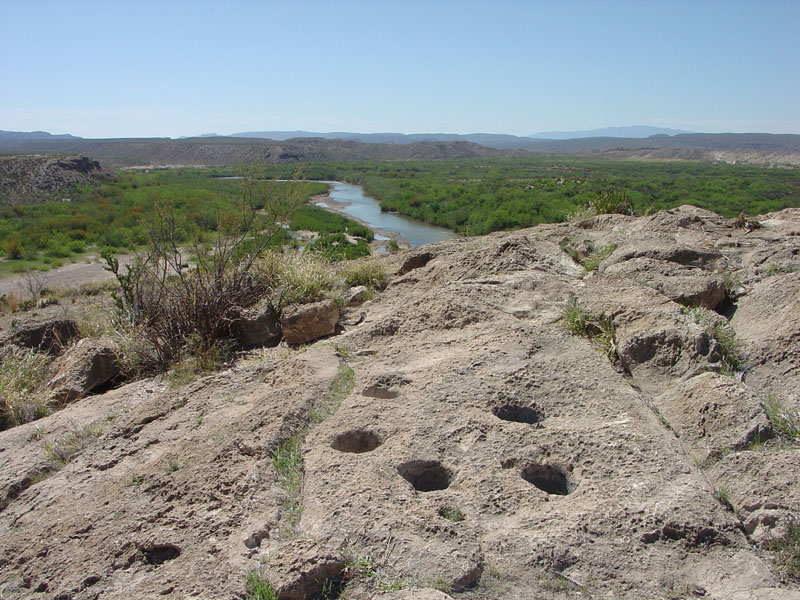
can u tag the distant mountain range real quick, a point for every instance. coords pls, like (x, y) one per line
(631, 131)
(300, 146)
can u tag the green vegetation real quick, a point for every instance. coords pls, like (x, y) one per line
(477, 196)
(288, 458)
(288, 462)
(589, 258)
(259, 588)
(452, 513)
(119, 215)
(723, 496)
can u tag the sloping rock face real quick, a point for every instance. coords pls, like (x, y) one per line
(483, 449)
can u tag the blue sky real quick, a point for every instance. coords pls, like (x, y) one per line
(116, 68)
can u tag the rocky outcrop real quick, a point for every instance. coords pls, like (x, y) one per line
(457, 436)
(31, 179)
(50, 336)
(303, 323)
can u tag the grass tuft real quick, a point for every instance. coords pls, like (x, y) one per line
(787, 552)
(784, 420)
(21, 400)
(722, 333)
(259, 588)
(600, 329)
(64, 448)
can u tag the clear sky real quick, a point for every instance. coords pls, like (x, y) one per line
(113, 68)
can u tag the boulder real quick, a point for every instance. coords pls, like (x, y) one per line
(257, 326)
(84, 367)
(299, 569)
(49, 336)
(303, 323)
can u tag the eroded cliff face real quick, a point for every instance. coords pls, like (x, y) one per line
(480, 446)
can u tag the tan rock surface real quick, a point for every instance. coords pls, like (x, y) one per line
(483, 449)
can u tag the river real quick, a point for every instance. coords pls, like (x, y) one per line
(350, 200)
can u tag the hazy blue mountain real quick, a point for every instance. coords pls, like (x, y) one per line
(20, 136)
(631, 131)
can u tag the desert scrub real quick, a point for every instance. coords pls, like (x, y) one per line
(298, 278)
(604, 204)
(59, 451)
(600, 329)
(722, 333)
(370, 273)
(21, 400)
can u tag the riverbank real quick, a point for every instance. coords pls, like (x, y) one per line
(349, 200)
(383, 237)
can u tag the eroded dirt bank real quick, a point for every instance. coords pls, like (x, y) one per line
(483, 448)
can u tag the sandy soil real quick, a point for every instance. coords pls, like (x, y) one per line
(71, 275)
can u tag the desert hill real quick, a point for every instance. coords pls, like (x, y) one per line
(31, 179)
(603, 409)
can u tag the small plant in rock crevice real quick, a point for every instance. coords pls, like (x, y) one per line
(600, 329)
(722, 333)
(722, 495)
(288, 458)
(787, 551)
(258, 588)
(452, 513)
(784, 420)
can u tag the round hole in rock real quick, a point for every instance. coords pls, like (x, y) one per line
(356, 441)
(550, 479)
(425, 475)
(518, 413)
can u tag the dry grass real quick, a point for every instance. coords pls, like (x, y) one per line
(21, 400)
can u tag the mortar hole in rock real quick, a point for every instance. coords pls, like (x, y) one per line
(356, 441)
(550, 479)
(425, 475)
(380, 391)
(518, 413)
(161, 553)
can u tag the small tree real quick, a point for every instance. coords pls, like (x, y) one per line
(13, 248)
